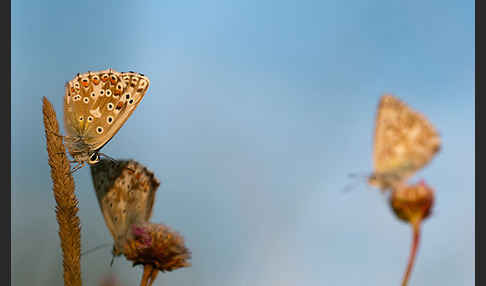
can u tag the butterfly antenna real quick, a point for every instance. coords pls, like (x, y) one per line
(96, 248)
(112, 260)
(356, 179)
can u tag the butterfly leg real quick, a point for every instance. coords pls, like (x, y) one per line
(108, 157)
(59, 135)
(112, 260)
(63, 136)
(77, 167)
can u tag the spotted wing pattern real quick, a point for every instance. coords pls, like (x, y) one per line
(126, 193)
(96, 105)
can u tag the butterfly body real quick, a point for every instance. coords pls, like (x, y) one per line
(96, 105)
(126, 194)
(405, 141)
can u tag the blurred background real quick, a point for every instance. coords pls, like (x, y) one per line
(257, 113)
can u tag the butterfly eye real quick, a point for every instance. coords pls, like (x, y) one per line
(110, 106)
(86, 99)
(109, 119)
(99, 129)
(95, 158)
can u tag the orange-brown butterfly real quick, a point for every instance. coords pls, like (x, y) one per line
(96, 105)
(126, 194)
(405, 141)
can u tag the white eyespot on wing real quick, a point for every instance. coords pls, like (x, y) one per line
(86, 100)
(99, 130)
(109, 119)
(110, 106)
(90, 119)
(126, 79)
(134, 81)
(142, 84)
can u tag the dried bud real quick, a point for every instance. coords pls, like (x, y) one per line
(413, 203)
(156, 245)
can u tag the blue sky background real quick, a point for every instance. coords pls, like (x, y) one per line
(256, 113)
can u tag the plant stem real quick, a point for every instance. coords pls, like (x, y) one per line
(66, 201)
(413, 250)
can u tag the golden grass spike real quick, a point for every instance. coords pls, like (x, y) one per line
(66, 202)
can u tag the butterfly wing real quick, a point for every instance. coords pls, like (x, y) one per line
(126, 193)
(405, 141)
(97, 104)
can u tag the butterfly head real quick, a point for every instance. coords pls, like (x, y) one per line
(382, 181)
(94, 158)
(374, 181)
(91, 158)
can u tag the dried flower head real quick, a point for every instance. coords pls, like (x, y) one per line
(157, 245)
(413, 203)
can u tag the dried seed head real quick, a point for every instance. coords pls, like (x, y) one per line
(412, 203)
(157, 245)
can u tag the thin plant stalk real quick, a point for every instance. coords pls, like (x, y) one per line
(413, 251)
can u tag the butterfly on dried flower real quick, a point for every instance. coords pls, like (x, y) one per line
(405, 141)
(126, 194)
(96, 105)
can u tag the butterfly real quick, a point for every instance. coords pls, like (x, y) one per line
(96, 105)
(125, 191)
(405, 141)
